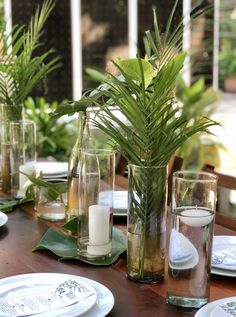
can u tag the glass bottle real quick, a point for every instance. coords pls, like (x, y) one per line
(84, 140)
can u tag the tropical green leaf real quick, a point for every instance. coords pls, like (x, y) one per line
(131, 68)
(65, 247)
(23, 69)
(50, 189)
(71, 225)
(7, 204)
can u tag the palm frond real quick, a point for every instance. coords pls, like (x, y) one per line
(144, 94)
(21, 70)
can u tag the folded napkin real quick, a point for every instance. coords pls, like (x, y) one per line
(182, 253)
(179, 249)
(224, 258)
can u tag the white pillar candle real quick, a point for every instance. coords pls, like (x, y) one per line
(99, 249)
(196, 217)
(99, 230)
(28, 168)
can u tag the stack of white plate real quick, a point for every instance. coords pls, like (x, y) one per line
(52, 169)
(98, 304)
(224, 256)
(224, 307)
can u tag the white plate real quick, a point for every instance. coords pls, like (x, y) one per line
(28, 283)
(3, 218)
(52, 168)
(221, 243)
(223, 272)
(206, 310)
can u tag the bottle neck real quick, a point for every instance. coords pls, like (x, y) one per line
(84, 137)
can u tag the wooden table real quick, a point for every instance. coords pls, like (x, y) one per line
(24, 230)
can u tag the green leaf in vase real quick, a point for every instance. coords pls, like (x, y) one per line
(132, 69)
(65, 247)
(50, 189)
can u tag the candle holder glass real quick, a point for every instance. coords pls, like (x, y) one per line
(190, 242)
(23, 155)
(95, 203)
(50, 205)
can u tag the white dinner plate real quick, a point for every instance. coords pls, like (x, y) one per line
(97, 305)
(3, 218)
(52, 168)
(220, 243)
(223, 272)
(207, 310)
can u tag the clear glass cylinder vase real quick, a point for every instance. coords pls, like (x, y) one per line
(8, 114)
(95, 203)
(147, 197)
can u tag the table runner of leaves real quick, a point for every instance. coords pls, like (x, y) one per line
(65, 246)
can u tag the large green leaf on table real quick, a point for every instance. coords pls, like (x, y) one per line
(7, 204)
(65, 246)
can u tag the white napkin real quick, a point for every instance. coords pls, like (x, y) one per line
(224, 259)
(182, 253)
(179, 250)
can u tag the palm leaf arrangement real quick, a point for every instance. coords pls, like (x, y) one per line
(21, 69)
(155, 127)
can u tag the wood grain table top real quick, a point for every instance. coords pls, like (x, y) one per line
(24, 230)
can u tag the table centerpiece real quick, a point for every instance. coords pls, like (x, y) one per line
(143, 93)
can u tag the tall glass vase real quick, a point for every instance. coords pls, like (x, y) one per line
(96, 186)
(8, 113)
(147, 193)
(83, 141)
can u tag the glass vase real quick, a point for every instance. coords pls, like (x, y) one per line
(83, 141)
(23, 155)
(96, 187)
(147, 196)
(8, 113)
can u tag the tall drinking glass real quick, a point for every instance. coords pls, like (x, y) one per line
(190, 240)
(95, 203)
(23, 154)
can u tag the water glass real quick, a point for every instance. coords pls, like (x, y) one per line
(95, 203)
(190, 241)
(48, 205)
(23, 155)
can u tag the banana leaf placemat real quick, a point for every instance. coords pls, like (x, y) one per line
(65, 246)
